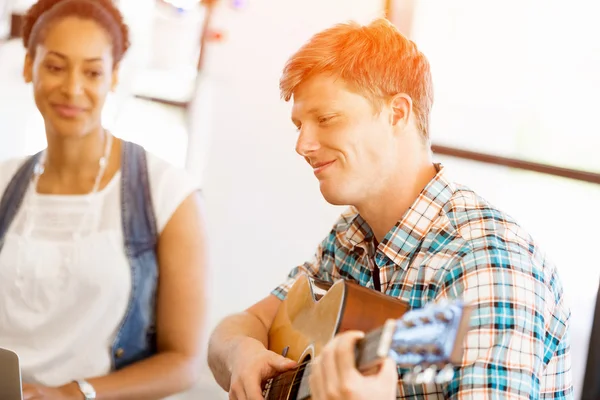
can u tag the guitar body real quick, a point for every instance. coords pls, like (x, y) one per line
(314, 312)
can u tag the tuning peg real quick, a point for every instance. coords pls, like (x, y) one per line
(419, 378)
(411, 377)
(408, 378)
(408, 323)
(444, 315)
(402, 349)
(428, 376)
(445, 375)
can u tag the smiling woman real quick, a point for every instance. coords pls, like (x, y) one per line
(101, 242)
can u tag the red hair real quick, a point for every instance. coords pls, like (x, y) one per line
(376, 60)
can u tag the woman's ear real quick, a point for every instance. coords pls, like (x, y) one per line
(115, 78)
(28, 68)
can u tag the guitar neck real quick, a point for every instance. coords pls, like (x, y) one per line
(292, 385)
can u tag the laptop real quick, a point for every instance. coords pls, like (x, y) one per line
(10, 376)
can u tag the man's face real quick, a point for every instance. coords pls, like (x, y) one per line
(351, 148)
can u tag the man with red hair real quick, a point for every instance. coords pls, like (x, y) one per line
(362, 96)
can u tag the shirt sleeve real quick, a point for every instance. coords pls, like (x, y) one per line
(518, 345)
(170, 186)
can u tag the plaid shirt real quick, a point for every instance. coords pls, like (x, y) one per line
(451, 243)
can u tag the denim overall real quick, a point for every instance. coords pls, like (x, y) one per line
(136, 336)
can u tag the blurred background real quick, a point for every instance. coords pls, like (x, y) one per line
(515, 117)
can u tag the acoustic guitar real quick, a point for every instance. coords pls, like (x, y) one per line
(424, 343)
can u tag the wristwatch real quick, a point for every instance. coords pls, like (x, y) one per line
(88, 390)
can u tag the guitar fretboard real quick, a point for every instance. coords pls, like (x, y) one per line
(292, 385)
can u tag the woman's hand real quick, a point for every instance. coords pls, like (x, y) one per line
(39, 392)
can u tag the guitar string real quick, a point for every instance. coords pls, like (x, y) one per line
(301, 367)
(283, 380)
(289, 378)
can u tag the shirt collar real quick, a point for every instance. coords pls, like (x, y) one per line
(400, 243)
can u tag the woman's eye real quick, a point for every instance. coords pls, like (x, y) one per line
(95, 74)
(53, 68)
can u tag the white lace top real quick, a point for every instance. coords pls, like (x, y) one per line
(62, 299)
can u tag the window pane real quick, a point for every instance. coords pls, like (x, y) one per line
(515, 78)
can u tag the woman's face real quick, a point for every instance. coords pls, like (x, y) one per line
(72, 72)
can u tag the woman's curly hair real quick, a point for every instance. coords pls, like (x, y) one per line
(104, 12)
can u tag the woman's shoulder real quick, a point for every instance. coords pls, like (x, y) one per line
(160, 168)
(8, 168)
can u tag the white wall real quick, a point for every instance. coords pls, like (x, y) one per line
(266, 213)
(265, 210)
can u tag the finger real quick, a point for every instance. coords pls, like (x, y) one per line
(386, 379)
(280, 363)
(388, 371)
(316, 380)
(236, 393)
(252, 384)
(253, 391)
(329, 371)
(30, 393)
(345, 355)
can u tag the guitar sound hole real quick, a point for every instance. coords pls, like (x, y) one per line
(295, 387)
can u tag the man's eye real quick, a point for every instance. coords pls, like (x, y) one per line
(324, 120)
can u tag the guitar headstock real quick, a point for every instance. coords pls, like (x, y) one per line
(425, 341)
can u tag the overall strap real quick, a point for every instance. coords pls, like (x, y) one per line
(136, 336)
(15, 193)
(139, 221)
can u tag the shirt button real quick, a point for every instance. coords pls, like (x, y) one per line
(119, 353)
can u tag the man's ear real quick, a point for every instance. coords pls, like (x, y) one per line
(28, 68)
(401, 105)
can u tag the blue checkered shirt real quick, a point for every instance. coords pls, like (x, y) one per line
(451, 243)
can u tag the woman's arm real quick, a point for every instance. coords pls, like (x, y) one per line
(182, 258)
